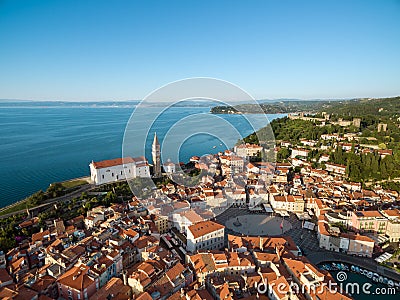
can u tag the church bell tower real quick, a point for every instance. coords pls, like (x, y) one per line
(156, 154)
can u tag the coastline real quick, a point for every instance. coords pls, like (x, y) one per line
(13, 208)
(44, 150)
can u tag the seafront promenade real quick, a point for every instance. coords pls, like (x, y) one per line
(67, 197)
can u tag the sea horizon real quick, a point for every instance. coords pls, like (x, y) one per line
(43, 145)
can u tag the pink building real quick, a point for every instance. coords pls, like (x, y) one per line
(368, 221)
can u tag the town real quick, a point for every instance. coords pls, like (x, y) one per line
(248, 228)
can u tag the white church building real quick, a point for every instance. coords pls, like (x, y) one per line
(169, 167)
(117, 169)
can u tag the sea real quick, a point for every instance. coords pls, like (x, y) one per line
(365, 288)
(42, 143)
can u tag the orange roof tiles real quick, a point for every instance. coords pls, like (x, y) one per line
(39, 236)
(203, 228)
(113, 162)
(77, 278)
(175, 271)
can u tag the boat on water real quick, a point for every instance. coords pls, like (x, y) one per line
(375, 277)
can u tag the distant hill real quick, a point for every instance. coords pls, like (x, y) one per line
(350, 108)
(55, 103)
(285, 106)
(371, 106)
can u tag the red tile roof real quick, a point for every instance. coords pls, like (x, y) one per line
(112, 162)
(203, 228)
(76, 278)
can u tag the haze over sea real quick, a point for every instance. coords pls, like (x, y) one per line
(44, 143)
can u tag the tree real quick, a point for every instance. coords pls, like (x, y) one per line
(374, 165)
(36, 199)
(7, 243)
(283, 154)
(88, 206)
(55, 190)
(109, 198)
(382, 146)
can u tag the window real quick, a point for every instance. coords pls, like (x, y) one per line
(102, 176)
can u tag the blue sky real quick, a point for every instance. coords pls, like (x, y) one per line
(119, 50)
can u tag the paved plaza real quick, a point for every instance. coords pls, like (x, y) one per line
(261, 224)
(304, 238)
(258, 224)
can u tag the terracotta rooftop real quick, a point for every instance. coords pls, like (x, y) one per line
(76, 278)
(113, 287)
(203, 228)
(4, 276)
(112, 162)
(175, 271)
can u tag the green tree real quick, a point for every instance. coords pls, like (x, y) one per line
(283, 154)
(55, 190)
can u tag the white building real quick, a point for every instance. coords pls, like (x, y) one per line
(92, 220)
(185, 219)
(248, 150)
(299, 152)
(169, 167)
(335, 168)
(118, 169)
(237, 164)
(206, 235)
(289, 203)
(310, 143)
(324, 158)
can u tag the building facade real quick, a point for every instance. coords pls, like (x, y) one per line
(206, 235)
(113, 170)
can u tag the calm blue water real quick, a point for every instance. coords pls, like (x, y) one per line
(42, 145)
(376, 291)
